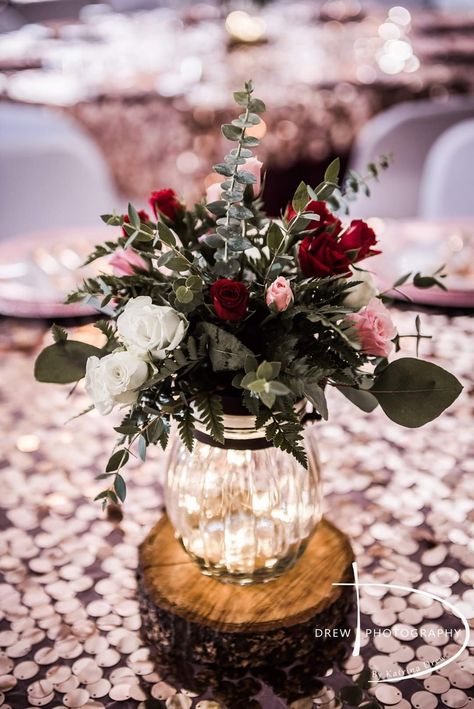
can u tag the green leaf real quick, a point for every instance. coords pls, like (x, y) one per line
(58, 333)
(275, 238)
(133, 216)
(315, 395)
(65, 361)
(117, 460)
(120, 487)
(403, 279)
(226, 352)
(223, 169)
(412, 392)
(239, 243)
(250, 142)
(245, 178)
(241, 97)
(212, 415)
(141, 447)
(265, 371)
(420, 281)
(278, 388)
(237, 211)
(363, 399)
(300, 198)
(184, 294)
(332, 171)
(127, 429)
(231, 132)
(186, 428)
(218, 207)
(166, 235)
(256, 105)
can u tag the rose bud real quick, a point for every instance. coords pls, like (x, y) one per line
(165, 203)
(279, 295)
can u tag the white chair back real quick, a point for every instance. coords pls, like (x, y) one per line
(51, 174)
(407, 131)
(447, 185)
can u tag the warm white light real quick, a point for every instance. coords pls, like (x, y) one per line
(244, 27)
(413, 64)
(390, 64)
(388, 30)
(400, 15)
(399, 48)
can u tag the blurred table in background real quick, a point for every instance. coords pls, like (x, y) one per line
(153, 87)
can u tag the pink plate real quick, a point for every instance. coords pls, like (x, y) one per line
(423, 246)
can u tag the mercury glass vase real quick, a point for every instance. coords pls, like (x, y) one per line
(244, 512)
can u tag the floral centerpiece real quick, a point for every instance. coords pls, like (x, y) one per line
(219, 303)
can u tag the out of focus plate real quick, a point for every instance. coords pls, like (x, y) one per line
(423, 246)
(38, 271)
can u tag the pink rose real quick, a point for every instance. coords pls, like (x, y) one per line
(252, 165)
(126, 262)
(374, 328)
(279, 295)
(213, 192)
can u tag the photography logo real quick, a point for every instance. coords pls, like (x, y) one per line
(421, 669)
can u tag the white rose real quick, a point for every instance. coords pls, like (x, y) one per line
(359, 295)
(114, 379)
(147, 328)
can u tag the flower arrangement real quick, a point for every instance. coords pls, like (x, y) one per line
(221, 300)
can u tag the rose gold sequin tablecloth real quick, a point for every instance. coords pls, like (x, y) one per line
(69, 632)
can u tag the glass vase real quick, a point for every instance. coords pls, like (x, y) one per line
(245, 511)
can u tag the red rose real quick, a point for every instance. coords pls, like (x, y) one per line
(143, 218)
(165, 203)
(359, 238)
(321, 255)
(327, 220)
(230, 299)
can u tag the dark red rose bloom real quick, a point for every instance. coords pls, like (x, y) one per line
(321, 255)
(165, 203)
(230, 299)
(359, 238)
(327, 220)
(143, 218)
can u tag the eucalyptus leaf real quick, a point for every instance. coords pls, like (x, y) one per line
(300, 198)
(166, 235)
(231, 132)
(412, 392)
(240, 212)
(363, 399)
(275, 238)
(245, 178)
(315, 395)
(332, 171)
(65, 361)
(117, 460)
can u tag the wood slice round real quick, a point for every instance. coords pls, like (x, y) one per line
(187, 614)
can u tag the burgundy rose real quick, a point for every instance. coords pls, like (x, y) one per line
(165, 203)
(230, 299)
(359, 239)
(327, 220)
(143, 218)
(321, 255)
